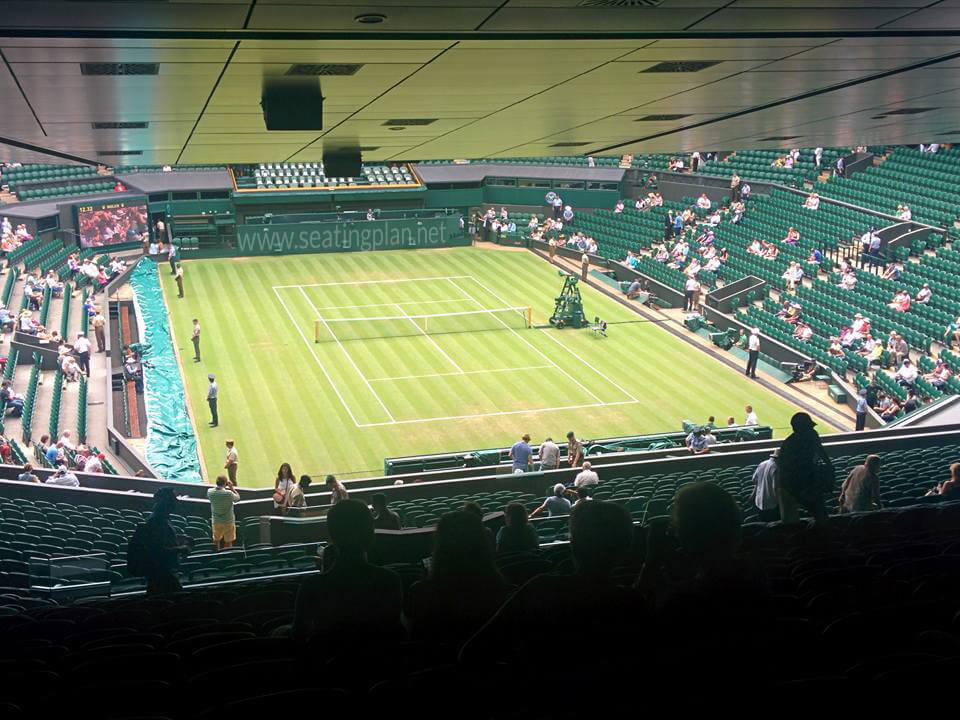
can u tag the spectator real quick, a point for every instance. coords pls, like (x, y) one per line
(587, 476)
(296, 498)
(940, 375)
(600, 535)
(464, 587)
(28, 475)
(63, 477)
(338, 493)
(696, 442)
(94, 464)
(282, 486)
(951, 488)
(900, 302)
(383, 517)
(703, 202)
(730, 421)
(351, 599)
(520, 453)
(157, 548)
(952, 334)
(574, 450)
(799, 482)
(893, 271)
(549, 455)
(517, 535)
(861, 489)
(924, 294)
(222, 519)
(907, 374)
(862, 406)
(765, 489)
(231, 463)
(556, 504)
(812, 202)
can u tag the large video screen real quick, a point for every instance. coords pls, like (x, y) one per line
(112, 223)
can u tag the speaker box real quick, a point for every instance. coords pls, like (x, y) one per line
(292, 104)
(344, 162)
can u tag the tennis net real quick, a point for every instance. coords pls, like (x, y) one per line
(405, 325)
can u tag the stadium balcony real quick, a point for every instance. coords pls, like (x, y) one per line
(135, 169)
(926, 182)
(310, 176)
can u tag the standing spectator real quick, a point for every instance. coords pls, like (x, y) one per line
(172, 258)
(799, 483)
(668, 226)
(231, 462)
(212, 393)
(282, 486)
(517, 535)
(520, 454)
(161, 229)
(574, 450)
(28, 475)
(549, 455)
(861, 489)
(383, 517)
(862, 406)
(223, 521)
(735, 186)
(81, 347)
(765, 489)
(557, 207)
(195, 339)
(690, 289)
(156, 548)
(839, 170)
(99, 322)
(817, 156)
(586, 477)
(753, 348)
(338, 493)
(464, 587)
(297, 498)
(556, 504)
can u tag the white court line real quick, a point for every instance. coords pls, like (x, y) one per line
(349, 359)
(616, 385)
(432, 341)
(373, 282)
(464, 372)
(310, 348)
(533, 347)
(405, 302)
(501, 412)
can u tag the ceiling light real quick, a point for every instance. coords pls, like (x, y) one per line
(370, 18)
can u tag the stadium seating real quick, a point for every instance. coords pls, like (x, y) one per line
(925, 181)
(310, 176)
(758, 165)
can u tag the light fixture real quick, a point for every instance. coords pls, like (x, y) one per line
(370, 18)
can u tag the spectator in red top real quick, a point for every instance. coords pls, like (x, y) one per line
(119, 187)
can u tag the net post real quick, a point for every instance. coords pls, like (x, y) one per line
(529, 316)
(316, 331)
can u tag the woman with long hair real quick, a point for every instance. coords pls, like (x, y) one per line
(282, 486)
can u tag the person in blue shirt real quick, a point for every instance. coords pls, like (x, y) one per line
(520, 454)
(677, 225)
(862, 406)
(697, 442)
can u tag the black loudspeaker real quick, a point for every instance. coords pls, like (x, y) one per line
(292, 104)
(344, 162)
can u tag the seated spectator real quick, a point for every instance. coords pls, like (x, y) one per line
(703, 202)
(351, 600)
(903, 212)
(71, 368)
(770, 251)
(835, 349)
(63, 477)
(793, 275)
(464, 587)
(900, 302)
(586, 476)
(815, 257)
(731, 422)
(848, 280)
(803, 372)
(951, 488)
(618, 208)
(26, 323)
(907, 374)
(556, 504)
(860, 326)
(861, 489)
(94, 464)
(803, 332)
(951, 334)
(66, 439)
(812, 202)
(696, 442)
(517, 535)
(383, 517)
(600, 535)
(792, 238)
(938, 378)
(28, 475)
(889, 408)
(755, 248)
(893, 271)
(924, 294)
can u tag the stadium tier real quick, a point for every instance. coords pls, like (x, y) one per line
(497, 362)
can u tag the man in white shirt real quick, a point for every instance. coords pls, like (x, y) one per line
(907, 374)
(818, 156)
(765, 491)
(63, 477)
(94, 464)
(586, 476)
(690, 289)
(753, 348)
(751, 418)
(81, 347)
(703, 202)
(557, 207)
(923, 296)
(812, 202)
(549, 454)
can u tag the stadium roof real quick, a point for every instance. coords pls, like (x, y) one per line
(478, 78)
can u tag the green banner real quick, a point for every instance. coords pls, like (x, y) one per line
(361, 236)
